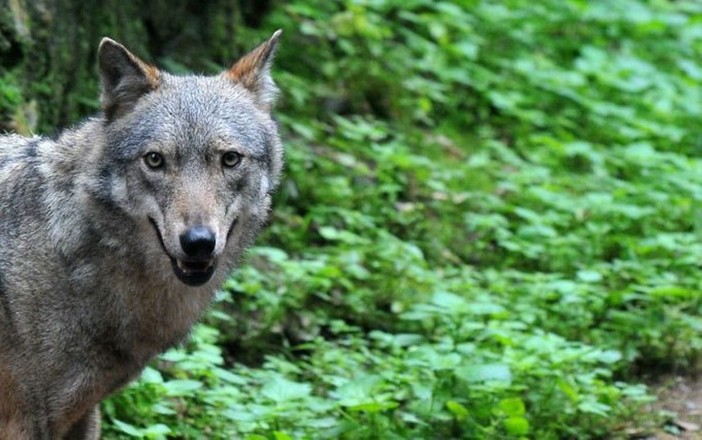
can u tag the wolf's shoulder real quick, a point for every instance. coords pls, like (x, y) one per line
(14, 147)
(12, 140)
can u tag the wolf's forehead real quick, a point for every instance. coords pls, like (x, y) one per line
(200, 111)
(203, 100)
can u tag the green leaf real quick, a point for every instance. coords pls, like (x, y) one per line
(459, 411)
(181, 387)
(512, 406)
(450, 301)
(485, 373)
(280, 389)
(609, 356)
(151, 375)
(128, 429)
(279, 435)
(589, 276)
(157, 431)
(568, 390)
(230, 377)
(374, 407)
(517, 426)
(593, 407)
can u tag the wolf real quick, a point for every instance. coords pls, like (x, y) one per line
(115, 234)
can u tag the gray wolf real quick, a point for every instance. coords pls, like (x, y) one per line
(115, 235)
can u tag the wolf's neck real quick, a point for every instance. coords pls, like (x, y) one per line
(71, 172)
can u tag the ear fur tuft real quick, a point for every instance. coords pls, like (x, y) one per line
(124, 78)
(253, 72)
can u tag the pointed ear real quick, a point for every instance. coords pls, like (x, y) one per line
(124, 77)
(253, 72)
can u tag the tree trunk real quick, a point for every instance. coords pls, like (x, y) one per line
(48, 76)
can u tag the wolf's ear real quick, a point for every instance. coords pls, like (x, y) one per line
(253, 71)
(124, 77)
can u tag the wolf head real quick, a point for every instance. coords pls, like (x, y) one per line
(192, 160)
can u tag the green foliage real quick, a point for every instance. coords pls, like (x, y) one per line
(489, 226)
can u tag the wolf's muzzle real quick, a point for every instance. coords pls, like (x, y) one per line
(197, 243)
(194, 273)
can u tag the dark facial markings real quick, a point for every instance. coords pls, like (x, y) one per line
(6, 308)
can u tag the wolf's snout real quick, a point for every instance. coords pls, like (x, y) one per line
(198, 242)
(198, 245)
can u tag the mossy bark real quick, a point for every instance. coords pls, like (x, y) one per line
(48, 75)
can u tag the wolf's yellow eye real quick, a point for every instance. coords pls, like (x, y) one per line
(153, 160)
(231, 159)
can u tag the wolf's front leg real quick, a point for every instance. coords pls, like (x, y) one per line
(16, 420)
(16, 430)
(87, 428)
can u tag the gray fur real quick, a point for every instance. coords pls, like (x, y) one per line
(89, 233)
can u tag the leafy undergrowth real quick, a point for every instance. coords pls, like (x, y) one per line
(489, 229)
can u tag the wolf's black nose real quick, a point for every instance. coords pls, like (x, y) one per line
(198, 242)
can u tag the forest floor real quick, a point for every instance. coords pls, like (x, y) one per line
(680, 398)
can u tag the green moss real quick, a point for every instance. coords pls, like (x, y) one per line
(52, 61)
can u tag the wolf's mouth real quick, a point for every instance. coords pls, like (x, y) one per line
(193, 273)
(190, 272)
